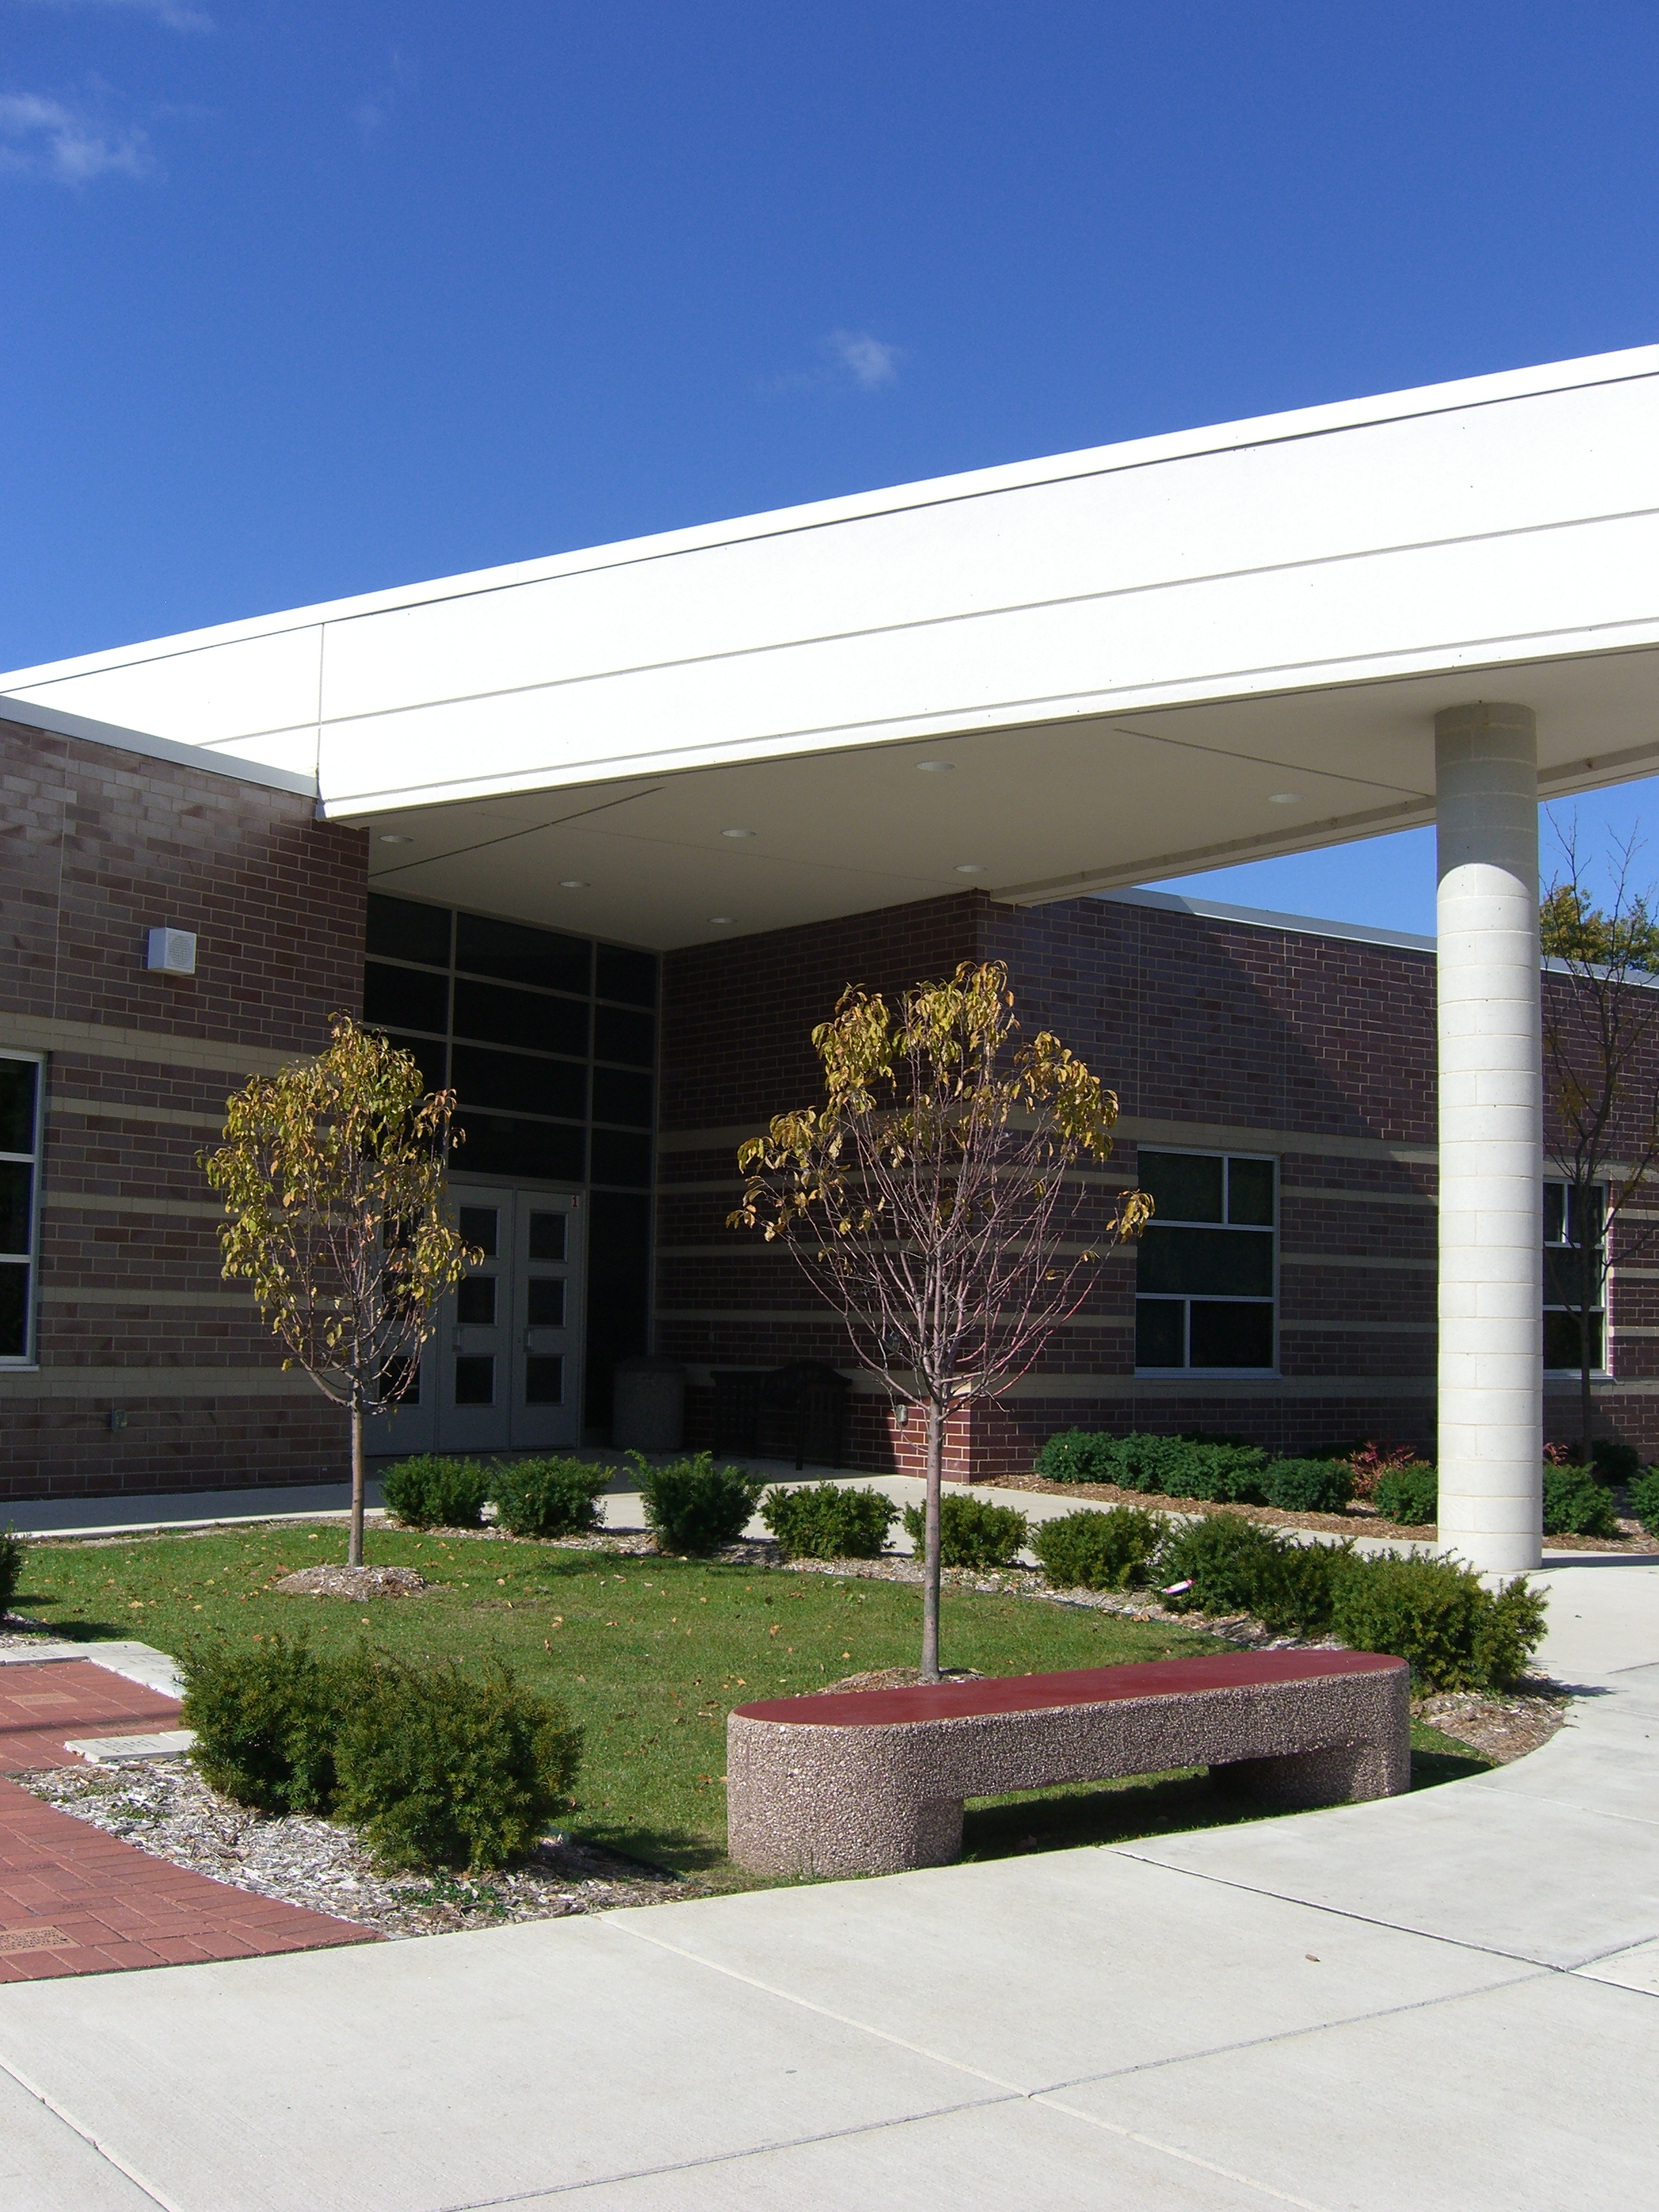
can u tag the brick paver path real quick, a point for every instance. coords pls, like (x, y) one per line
(74, 1900)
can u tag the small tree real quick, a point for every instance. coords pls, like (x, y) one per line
(1602, 1082)
(332, 1176)
(932, 1197)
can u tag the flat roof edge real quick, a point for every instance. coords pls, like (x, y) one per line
(1256, 917)
(1283, 426)
(29, 716)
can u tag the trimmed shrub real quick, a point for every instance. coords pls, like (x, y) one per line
(1217, 1474)
(547, 1497)
(266, 1715)
(1089, 1550)
(1577, 1505)
(692, 1505)
(439, 1769)
(1221, 1556)
(1308, 1485)
(823, 1520)
(971, 1533)
(11, 1569)
(1644, 1500)
(1615, 1463)
(1081, 1455)
(1454, 1632)
(430, 1492)
(1408, 1496)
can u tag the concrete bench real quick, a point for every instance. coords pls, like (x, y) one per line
(872, 1781)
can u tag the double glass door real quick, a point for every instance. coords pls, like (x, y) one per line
(503, 1370)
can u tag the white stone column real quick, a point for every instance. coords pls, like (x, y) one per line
(1492, 1356)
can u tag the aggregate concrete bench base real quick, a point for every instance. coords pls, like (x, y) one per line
(873, 1781)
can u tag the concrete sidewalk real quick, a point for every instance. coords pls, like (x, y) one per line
(1444, 2001)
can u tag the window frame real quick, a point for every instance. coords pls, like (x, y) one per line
(1269, 1373)
(1602, 1370)
(13, 1362)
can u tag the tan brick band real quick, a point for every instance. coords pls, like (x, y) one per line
(873, 1782)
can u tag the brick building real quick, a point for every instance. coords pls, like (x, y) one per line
(1276, 1079)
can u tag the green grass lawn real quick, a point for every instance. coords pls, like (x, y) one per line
(650, 1655)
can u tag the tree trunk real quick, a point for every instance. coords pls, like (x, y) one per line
(930, 1544)
(1589, 1261)
(355, 1545)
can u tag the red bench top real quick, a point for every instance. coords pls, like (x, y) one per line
(1082, 1685)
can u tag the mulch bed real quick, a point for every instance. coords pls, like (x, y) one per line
(357, 1583)
(164, 1808)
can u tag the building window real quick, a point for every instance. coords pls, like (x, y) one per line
(21, 1097)
(1565, 1211)
(1204, 1269)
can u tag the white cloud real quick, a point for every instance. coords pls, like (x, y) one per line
(177, 15)
(42, 137)
(373, 114)
(870, 362)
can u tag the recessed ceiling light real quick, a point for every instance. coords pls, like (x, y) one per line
(937, 767)
(737, 833)
(1284, 798)
(722, 920)
(390, 837)
(970, 868)
(573, 883)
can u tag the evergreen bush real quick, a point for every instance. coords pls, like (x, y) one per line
(823, 1520)
(1577, 1505)
(1080, 1456)
(439, 1769)
(267, 1716)
(1221, 1556)
(547, 1497)
(1408, 1496)
(1308, 1485)
(1454, 1632)
(1644, 1500)
(1613, 1461)
(692, 1505)
(971, 1533)
(432, 1492)
(1292, 1589)
(11, 1569)
(1217, 1473)
(1089, 1550)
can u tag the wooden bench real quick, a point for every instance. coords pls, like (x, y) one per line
(872, 1781)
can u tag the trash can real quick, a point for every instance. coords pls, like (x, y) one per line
(649, 1414)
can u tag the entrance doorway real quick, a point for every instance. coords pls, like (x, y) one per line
(503, 1370)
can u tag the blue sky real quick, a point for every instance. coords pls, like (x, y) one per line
(305, 299)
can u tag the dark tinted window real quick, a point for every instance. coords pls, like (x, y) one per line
(513, 1079)
(1231, 1336)
(520, 1018)
(1183, 1186)
(618, 1291)
(629, 976)
(479, 1227)
(17, 1081)
(547, 1234)
(619, 1097)
(404, 999)
(475, 1302)
(1562, 1341)
(548, 1152)
(1194, 1261)
(518, 955)
(14, 1312)
(544, 1306)
(475, 1381)
(16, 1192)
(543, 1379)
(1160, 1328)
(1250, 1192)
(631, 1038)
(621, 1160)
(429, 1055)
(404, 929)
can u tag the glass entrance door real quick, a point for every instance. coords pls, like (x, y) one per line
(503, 1372)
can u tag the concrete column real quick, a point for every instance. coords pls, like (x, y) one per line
(1492, 1164)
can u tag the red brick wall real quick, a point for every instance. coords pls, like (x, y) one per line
(101, 846)
(1317, 1049)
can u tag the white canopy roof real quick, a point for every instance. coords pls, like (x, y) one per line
(1061, 676)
